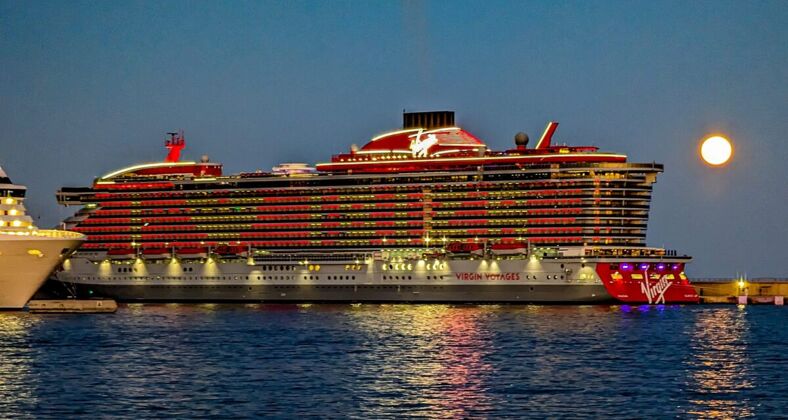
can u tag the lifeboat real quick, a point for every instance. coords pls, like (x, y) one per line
(434, 254)
(510, 249)
(122, 254)
(465, 248)
(231, 251)
(156, 253)
(192, 252)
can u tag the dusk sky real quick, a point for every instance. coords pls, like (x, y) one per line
(89, 87)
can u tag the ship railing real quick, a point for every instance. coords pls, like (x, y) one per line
(636, 252)
(47, 233)
(301, 257)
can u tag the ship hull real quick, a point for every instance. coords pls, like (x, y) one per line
(454, 281)
(27, 261)
(354, 293)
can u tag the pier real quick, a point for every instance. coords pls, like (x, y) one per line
(81, 306)
(762, 290)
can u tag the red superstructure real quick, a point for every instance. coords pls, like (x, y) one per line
(452, 148)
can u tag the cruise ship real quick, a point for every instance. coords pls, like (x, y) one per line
(28, 255)
(426, 213)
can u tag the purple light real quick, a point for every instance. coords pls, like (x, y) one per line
(675, 267)
(626, 266)
(660, 267)
(644, 266)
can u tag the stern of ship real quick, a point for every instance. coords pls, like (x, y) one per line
(662, 282)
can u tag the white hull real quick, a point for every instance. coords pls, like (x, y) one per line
(26, 262)
(492, 280)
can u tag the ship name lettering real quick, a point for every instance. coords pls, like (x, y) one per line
(502, 276)
(487, 276)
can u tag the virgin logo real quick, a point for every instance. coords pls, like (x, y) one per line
(419, 147)
(656, 293)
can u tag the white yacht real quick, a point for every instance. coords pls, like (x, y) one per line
(27, 254)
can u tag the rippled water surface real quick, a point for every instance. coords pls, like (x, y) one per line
(393, 360)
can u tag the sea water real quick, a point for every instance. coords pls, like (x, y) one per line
(385, 361)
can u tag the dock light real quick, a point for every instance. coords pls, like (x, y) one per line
(741, 284)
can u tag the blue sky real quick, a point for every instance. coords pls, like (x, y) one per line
(88, 87)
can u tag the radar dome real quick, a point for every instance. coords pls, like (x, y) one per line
(521, 139)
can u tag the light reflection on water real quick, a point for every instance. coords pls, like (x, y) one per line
(384, 361)
(430, 359)
(719, 365)
(15, 361)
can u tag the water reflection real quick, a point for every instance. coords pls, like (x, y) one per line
(16, 358)
(426, 360)
(384, 361)
(719, 366)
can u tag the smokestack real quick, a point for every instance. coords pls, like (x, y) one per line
(428, 120)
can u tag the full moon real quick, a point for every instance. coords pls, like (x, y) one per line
(716, 150)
